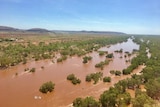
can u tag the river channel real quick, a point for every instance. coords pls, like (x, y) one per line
(23, 90)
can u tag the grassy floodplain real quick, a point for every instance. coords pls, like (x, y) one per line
(20, 49)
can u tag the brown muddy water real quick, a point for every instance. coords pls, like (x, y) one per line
(23, 90)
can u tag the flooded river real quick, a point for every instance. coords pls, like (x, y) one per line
(23, 90)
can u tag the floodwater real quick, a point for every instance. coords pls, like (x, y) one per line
(22, 90)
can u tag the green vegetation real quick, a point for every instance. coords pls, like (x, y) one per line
(116, 72)
(13, 53)
(101, 64)
(47, 87)
(114, 97)
(112, 71)
(153, 88)
(61, 58)
(143, 100)
(94, 76)
(26, 69)
(87, 102)
(86, 59)
(107, 79)
(73, 79)
(7, 39)
(110, 55)
(119, 51)
(139, 60)
(33, 70)
(101, 53)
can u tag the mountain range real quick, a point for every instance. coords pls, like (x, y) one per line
(41, 30)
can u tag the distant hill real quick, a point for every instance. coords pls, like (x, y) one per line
(92, 32)
(105, 32)
(8, 29)
(39, 30)
(11, 29)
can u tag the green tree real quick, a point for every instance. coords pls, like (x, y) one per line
(47, 87)
(70, 77)
(73, 79)
(33, 70)
(109, 98)
(153, 88)
(88, 78)
(121, 86)
(123, 99)
(117, 73)
(94, 76)
(86, 59)
(143, 100)
(110, 55)
(87, 102)
(107, 79)
(78, 102)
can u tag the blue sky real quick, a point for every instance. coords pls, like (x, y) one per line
(129, 16)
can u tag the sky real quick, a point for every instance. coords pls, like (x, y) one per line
(128, 16)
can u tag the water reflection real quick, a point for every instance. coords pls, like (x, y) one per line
(126, 46)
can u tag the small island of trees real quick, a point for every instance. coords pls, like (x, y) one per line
(107, 79)
(101, 53)
(73, 79)
(47, 87)
(86, 59)
(101, 64)
(94, 76)
(109, 55)
(116, 72)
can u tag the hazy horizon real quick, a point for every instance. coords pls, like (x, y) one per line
(128, 16)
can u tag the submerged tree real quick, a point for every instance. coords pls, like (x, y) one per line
(73, 79)
(94, 76)
(87, 102)
(107, 79)
(86, 59)
(110, 55)
(47, 87)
